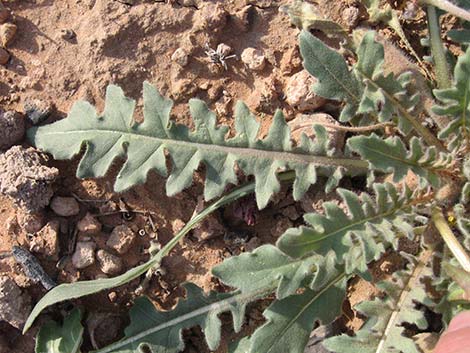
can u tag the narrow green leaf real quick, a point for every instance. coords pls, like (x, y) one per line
(359, 237)
(53, 338)
(455, 103)
(67, 291)
(161, 332)
(115, 134)
(391, 156)
(335, 81)
(292, 319)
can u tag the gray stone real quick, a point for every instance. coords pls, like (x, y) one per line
(25, 178)
(37, 110)
(65, 206)
(84, 254)
(46, 241)
(121, 239)
(109, 263)
(180, 56)
(14, 305)
(299, 94)
(89, 225)
(254, 59)
(12, 128)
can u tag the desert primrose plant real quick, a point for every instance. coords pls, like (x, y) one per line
(309, 267)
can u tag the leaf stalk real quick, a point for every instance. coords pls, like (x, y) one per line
(449, 7)
(454, 245)
(443, 74)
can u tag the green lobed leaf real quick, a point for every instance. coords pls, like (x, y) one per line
(335, 81)
(307, 16)
(365, 90)
(161, 331)
(265, 266)
(455, 102)
(115, 134)
(291, 320)
(386, 96)
(384, 330)
(392, 156)
(54, 338)
(359, 237)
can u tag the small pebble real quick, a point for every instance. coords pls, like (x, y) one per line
(109, 263)
(224, 49)
(254, 59)
(37, 110)
(46, 241)
(67, 34)
(7, 33)
(350, 16)
(84, 254)
(121, 239)
(299, 94)
(180, 56)
(4, 56)
(112, 296)
(65, 206)
(89, 224)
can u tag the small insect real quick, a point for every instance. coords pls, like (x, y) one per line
(32, 267)
(220, 55)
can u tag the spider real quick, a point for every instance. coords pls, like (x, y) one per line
(220, 55)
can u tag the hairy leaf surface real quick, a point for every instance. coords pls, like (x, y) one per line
(391, 156)
(307, 16)
(383, 332)
(161, 332)
(365, 90)
(267, 266)
(292, 319)
(359, 237)
(335, 81)
(53, 338)
(116, 134)
(456, 103)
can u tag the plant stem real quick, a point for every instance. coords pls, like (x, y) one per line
(443, 74)
(449, 7)
(394, 23)
(224, 200)
(455, 247)
(424, 132)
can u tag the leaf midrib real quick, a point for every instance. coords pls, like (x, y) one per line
(310, 302)
(219, 306)
(354, 224)
(243, 151)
